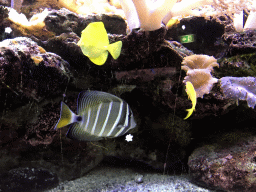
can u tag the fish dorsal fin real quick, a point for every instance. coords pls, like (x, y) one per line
(94, 34)
(115, 49)
(87, 99)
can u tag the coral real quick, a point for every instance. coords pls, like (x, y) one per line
(198, 68)
(36, 22)
(35, 25)
(202, 81)
(250, 22)
(149, 14)
(199, 62)
(243, 88)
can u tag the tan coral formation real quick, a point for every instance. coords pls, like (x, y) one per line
(202, 81)
(199, 62)
(198, 68)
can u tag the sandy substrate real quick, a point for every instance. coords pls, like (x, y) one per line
(111, 179)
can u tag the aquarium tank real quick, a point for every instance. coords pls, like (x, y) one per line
(127, 95)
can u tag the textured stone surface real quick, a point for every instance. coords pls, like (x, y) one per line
(240, 43)
(229, 166)
(28, 179)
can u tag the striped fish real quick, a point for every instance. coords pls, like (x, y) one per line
(100, 115)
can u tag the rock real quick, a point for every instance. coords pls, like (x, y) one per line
(33, 82)
(229, 165)
(28, 179)
(64, 21)
(205, 33)
(240, 43)
(3, 22)
(27, 70)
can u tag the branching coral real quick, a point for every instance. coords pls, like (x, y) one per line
(243, 88)
(185, 8)
(150, 13)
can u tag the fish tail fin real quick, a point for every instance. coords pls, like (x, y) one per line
(190, 111)
(66, 116)
(115, 49)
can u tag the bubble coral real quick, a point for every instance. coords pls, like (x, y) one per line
(243, 88)
(198, 68)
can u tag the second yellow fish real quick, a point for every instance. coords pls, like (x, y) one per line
(192, 96)
(94, 44)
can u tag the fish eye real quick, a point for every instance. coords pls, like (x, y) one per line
(79, 118)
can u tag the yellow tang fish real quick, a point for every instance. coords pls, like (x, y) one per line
(172, 22)
(192, 96)
(94, 44)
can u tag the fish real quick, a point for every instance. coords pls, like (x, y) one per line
(99, 115)
(192, 96)
(94, 43)
(172, 22)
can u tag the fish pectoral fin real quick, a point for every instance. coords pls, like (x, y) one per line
(66, 116)
(190, 111)
(115, 49)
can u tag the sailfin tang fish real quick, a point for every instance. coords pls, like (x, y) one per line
(94, 44)
(100, 115)
(192, 96)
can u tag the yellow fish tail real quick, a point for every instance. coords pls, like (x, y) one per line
(192, 96)
(172, 22)
(115, 49)
(66, 116)
(190, 111)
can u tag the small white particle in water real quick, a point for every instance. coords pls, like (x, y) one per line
(128, 137)
(8, 30)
